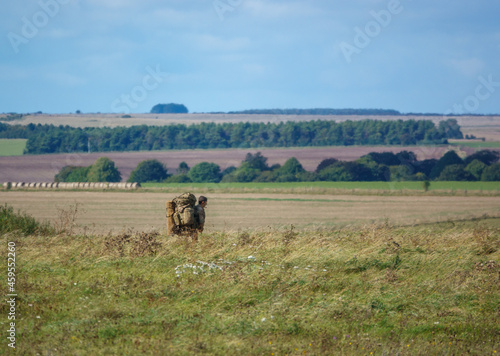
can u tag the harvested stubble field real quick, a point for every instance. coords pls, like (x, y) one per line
(377, 289)
(101, 212)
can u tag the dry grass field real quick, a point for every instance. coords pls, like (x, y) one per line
(100, 212)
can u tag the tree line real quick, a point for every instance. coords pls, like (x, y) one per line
(318, 111)
(65, 139)
(375, 166)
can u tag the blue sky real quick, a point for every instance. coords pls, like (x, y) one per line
(59, 56)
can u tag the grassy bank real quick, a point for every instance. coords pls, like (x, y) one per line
(430, 289)
(12, 147)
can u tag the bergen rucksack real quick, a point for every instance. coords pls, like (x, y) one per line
(184, 209)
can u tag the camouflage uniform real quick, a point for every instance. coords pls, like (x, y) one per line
(199, 216)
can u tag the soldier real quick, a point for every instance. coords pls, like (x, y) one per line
(199, 213)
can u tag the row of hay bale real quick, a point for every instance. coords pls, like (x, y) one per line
(63, 185)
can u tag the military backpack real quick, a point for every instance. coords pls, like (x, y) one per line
(184, 210)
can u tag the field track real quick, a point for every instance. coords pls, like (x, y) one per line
(115, 211)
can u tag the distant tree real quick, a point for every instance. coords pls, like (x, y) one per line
(205, 172)
(488, 157)
(325, 163)
(178, 178)
(448, 159)
(450, 129)
(401, 173)
(103, 170)
(169, 109)
(256, 161)
(72, 174)
(336, 172)
(149, 171)
(425, 166)
(455, 172)
(491, 173)
(228, 171)
(379, 172)
(476, 168)
(244, 173)
(267, 176)
(183, 168)
(346, 172)
(406, 157)
(387, 158)
(291, 166)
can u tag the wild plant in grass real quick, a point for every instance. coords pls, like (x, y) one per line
(23, 223)
(66, 219)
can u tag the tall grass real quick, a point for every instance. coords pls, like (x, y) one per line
(378, 289)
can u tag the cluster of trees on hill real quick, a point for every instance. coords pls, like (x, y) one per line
(385, 166)
(65, 139)
(169, 109)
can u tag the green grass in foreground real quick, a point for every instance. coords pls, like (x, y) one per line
(12, 147)
(350, 186)
(378, 289)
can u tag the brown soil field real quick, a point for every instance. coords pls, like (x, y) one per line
(145, 211)
(479, 126)
(43, 168)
